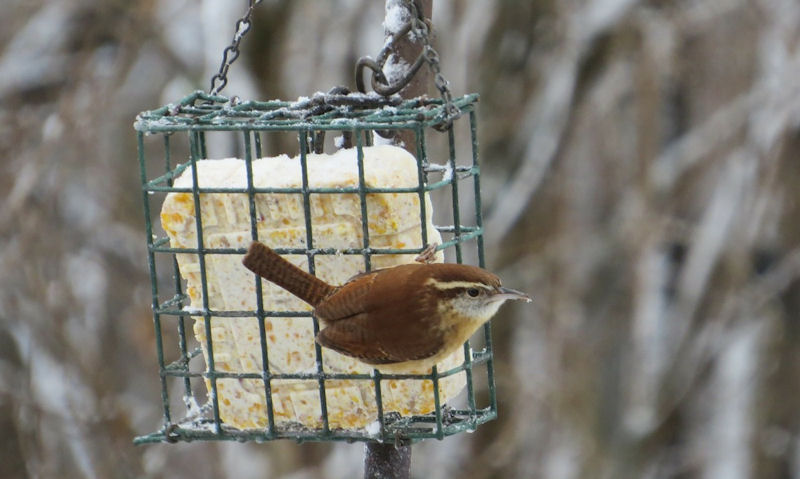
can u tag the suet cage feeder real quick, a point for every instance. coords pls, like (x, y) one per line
(173, 140)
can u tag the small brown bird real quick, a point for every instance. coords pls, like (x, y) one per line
(407, 317)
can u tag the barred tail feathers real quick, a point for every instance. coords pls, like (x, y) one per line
(263, 261)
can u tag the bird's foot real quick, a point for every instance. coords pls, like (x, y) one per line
(428, 255)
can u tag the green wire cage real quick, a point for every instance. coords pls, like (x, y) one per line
(173, 140)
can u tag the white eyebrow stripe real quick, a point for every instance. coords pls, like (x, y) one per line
(457, 284)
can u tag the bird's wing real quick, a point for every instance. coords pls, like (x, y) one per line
(361, 275)
(353, 337)
(348, 300)
(378, 318)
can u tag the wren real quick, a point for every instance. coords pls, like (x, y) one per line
(403, 318)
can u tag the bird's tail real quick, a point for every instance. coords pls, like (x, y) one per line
(263, 261)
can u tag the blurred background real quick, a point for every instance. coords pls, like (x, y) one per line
(641, 179)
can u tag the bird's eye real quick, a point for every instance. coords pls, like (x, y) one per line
(474, 292)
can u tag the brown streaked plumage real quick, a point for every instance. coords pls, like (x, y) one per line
(266, 263)
(406, 317)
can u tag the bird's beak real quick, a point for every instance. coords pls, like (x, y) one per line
(503, 294)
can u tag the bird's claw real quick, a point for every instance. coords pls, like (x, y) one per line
(428, 255)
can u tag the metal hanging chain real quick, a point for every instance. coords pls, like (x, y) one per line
(420, 28)
(231, 52)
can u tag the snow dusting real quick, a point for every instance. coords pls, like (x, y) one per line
(373, 428)
(446, 170)
(396, 16)
(192, 310)
(394, 68)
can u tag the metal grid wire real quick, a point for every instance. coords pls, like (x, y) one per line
(356, 115)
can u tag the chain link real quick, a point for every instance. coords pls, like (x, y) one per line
(231, 52)
(417, 27)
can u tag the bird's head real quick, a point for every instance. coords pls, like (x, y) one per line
(470, 292)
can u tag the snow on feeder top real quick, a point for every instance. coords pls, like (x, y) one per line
(250, 369)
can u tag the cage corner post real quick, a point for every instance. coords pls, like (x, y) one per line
(393, 460)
